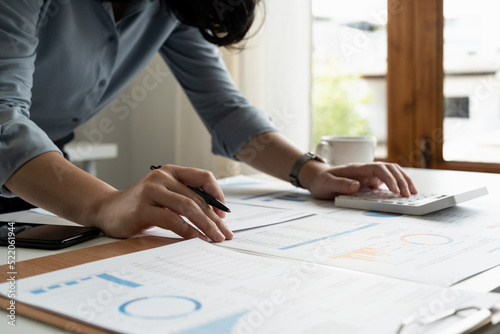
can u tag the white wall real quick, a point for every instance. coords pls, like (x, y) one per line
(161, 127)
(287, 46)
(144, 135)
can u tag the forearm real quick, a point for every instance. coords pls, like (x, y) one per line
(53, 183)
(160, 198)
(275, 155)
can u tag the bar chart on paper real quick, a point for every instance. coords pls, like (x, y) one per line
(194, 287)
(123, 305)
(98, 291)
(80, 283)
(182, 291)
(366, 254)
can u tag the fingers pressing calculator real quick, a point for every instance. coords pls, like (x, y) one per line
(419, 204)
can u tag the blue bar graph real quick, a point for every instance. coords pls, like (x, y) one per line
(83, 280)
(117, 280)
(39, 291)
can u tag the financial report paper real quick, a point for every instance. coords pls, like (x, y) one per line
(430, 250)
(196, 287)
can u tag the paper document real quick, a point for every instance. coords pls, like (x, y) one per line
(428, 250)
(244, 217)
(42, 211)
(196, 287)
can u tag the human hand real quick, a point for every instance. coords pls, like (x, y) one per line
(329, 182)
(160, 199)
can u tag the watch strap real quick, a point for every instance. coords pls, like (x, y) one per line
(294, 174)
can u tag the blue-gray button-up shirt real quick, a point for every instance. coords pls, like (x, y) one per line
(62, 61)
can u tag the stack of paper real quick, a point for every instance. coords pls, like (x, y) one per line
(195, 287)
(314, 268)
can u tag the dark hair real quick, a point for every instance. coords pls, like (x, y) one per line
(221, 22)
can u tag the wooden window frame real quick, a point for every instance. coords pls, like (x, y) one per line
(415, 87)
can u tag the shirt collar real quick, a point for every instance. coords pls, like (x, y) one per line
(134, 7)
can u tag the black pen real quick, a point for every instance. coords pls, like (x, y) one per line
(209, 199)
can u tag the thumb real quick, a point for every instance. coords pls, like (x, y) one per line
(343, 185)
(332, 186)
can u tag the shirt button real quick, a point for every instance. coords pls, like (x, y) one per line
(102, 83)
(76, 120)
(112, 38)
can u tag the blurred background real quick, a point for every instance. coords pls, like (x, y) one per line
(318, 67)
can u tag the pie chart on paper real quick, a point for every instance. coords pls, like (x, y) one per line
(160, 307)
(426, 239)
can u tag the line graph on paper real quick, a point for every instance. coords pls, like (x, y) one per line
(365, 254)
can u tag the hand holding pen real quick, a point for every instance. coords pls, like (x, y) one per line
(209, 199)
(187, 184)
(161, 199)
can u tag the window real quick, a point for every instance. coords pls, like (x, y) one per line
(349, 64)
(442, 62)
(472, 66)
(422, 76)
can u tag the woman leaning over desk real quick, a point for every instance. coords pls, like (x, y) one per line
(62, 61)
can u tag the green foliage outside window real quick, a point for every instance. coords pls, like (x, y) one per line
(336, 100)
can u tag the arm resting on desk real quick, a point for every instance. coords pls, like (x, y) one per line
(273, 154)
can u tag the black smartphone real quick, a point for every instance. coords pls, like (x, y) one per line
(43, 236)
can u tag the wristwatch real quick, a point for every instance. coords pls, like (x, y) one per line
(294, 179)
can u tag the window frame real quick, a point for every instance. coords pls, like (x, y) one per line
(415, 98)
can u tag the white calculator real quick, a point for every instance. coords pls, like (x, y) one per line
(419, 204)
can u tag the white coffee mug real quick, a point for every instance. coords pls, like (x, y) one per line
(341, 150)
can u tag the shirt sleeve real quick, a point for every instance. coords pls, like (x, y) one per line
(20, 139)
(200, 70)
